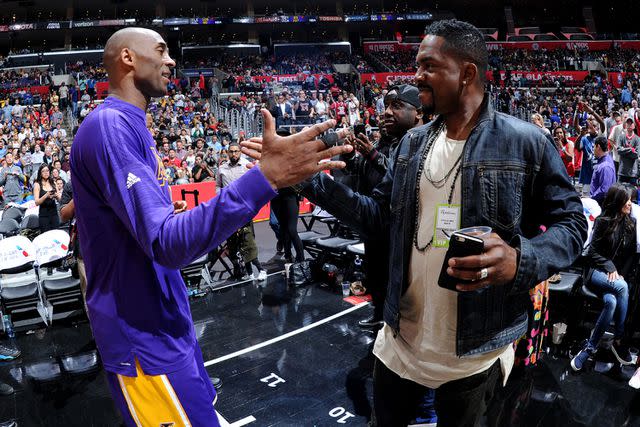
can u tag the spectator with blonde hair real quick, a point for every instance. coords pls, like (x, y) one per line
(538, 120)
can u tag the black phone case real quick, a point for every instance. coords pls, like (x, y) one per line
(460, 245)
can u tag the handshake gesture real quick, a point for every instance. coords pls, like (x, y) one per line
(285, 161)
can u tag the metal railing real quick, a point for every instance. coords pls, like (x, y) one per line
(71, 121)
(510, 108)
(237, 120)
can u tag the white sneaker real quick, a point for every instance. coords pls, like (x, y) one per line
(635, 380)
(247, 277)
(262, 276)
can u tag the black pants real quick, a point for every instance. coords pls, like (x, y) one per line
(48, 222)
(627, 180)
(459, 403)
(286, 208)
(376, 268)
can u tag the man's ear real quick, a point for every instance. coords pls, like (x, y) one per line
(469, 72)
(418, 115)
(127, 56)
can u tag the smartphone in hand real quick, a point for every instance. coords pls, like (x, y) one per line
(460, 246)
(359, 129)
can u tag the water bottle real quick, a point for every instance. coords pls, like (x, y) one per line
(8, 327)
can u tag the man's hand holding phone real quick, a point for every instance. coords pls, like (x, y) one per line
(362, 143)
(496, 265)
(477, 258)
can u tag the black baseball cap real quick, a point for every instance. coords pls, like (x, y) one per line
(406, 93)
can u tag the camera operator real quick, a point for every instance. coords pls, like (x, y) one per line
(202, 172)
(211, 159)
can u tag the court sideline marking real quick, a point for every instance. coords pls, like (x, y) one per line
(285, 336)
(242, 282)
(239, 423)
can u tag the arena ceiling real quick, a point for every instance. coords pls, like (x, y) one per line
(608, 15)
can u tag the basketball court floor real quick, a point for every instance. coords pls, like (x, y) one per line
(287, 357)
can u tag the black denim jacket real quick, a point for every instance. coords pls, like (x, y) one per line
(512, 180)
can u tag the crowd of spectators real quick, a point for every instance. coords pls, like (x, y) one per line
(192, 141)
(620, 60)
(12, 79)
(564, 59)
(83, 71)
(31, 138)
(396, 62)
(269, 65)
(598, 92)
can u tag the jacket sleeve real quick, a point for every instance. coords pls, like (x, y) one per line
(368, 215)
(559, 208)
(132, 190)
(378, 161)
(594, 253)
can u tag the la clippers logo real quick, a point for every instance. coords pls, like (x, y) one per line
(62, 245)
(24, 253)
(588, 214)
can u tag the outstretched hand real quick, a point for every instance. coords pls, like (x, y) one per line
(288, 160)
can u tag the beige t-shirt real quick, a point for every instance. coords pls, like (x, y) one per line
(425, 349)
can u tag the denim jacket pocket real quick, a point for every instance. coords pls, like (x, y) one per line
(501, 194)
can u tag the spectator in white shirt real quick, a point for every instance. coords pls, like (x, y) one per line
(59, 133)
(57, 164)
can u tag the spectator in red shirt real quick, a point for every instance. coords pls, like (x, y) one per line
(339, 109)
(565, 148)
(173, 160)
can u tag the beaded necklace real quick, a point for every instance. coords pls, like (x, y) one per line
(426, 158)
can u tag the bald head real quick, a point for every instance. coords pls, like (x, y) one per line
(126, 38)
(137, 59)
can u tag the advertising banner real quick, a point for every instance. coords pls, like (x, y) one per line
(207, 191)
(577, 76)
(389, 46)
(283, 78)
(552, 45)
(86, 24)
(596, 45)
(387, 78)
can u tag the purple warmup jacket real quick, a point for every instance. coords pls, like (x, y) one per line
(133, 245)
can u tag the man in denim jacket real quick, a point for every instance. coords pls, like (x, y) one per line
(509, 176)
